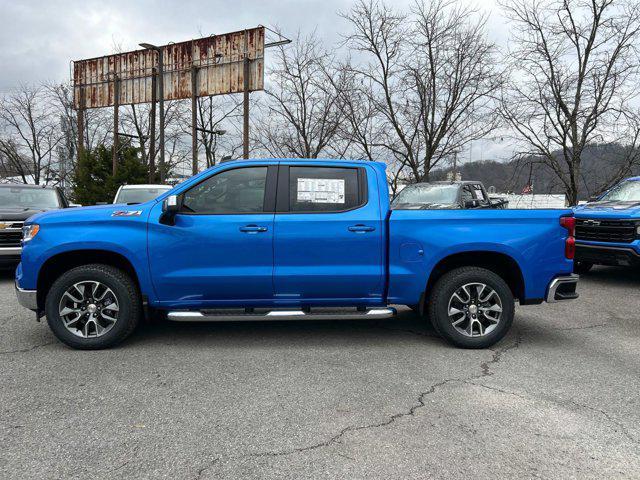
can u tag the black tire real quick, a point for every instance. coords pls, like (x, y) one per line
(443, 291)
(582, 267)
(122, 286)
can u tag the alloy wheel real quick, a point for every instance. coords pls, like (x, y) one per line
(475, 309)
(89, 309)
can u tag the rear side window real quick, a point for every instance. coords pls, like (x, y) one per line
(467, 194)
(233, 191)
(325, 189)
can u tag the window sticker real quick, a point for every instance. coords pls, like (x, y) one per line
(321, 190)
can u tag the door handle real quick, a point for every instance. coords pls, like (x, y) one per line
(253, 229)
(361, 228)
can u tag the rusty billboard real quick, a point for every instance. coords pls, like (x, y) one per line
(218, 62)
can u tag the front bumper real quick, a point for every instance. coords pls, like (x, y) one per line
(607, 255)
(27, 298)
(562, 288)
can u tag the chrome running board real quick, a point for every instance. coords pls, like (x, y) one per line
(234, 316)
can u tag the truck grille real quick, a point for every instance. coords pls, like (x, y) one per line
(10, 233)
(620, 231)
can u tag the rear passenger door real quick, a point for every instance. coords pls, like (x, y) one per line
(328, 236)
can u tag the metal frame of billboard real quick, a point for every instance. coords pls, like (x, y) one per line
(215, 65)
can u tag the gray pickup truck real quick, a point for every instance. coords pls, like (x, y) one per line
(447, 195)
(17, 203)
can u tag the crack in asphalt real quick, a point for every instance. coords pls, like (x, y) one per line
(584, 327)
(497, 355)
(485, 368)
(620, 425)
(557, 401)
(28, 349)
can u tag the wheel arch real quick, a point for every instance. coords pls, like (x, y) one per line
(501, 264)
(62, 262)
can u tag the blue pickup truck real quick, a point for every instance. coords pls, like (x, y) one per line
(290, 239)
(608, 228)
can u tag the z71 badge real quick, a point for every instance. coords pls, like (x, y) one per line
(127, 213)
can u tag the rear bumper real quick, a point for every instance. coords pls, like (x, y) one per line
(27, 298)
(607, 255)
(562, 288)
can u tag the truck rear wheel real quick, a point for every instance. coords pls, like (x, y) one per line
(471, 307)
(93, 306)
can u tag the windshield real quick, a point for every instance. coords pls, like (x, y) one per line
(139, 195)
(28, 198)
(428, 194)
(623, 192)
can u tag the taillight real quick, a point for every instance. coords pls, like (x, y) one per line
(570, 243)
(570, 248)
(570, 224)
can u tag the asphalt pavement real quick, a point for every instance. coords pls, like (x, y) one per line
(557, 398)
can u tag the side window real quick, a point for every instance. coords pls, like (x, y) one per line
(478, 193)
(324, 189)
(234, 191)
(467, 194)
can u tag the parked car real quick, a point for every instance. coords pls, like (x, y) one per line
(608, 228)
(446, 195)
(290, 239)
(132, 194)
(17, 203)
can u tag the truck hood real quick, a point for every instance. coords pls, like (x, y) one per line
(89, 214)
(609, 210)
(18, 214)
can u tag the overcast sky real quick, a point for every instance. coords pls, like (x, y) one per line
(39, 38)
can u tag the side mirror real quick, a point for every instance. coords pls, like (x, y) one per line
(470, 204)
(170, 206)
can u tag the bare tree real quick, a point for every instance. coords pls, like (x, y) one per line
(575, 68)
(30, 123)
(217, 114)
(66, 150)
(432, 78)
(300, 115)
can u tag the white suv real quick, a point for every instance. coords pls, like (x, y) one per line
(132, 194)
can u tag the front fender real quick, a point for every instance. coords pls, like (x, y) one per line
(125, 237)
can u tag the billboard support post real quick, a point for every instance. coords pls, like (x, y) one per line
(245, 119)
(81, 125)
(161, 88)
(116, 120)
(152, 127)
(194, 120)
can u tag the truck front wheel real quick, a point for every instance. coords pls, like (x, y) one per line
(471, 307)
(93, 306)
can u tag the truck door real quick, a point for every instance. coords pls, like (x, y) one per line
(328, 240)
(220, 249)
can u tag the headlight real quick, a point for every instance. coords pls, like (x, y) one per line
(30, 231)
